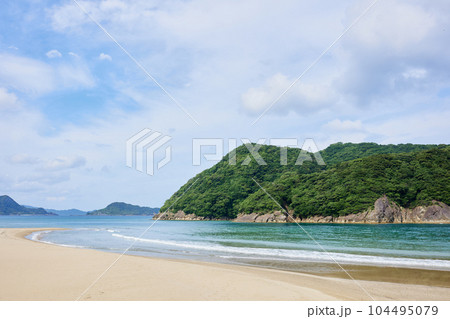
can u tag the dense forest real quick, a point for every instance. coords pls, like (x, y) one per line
(118, 208)
(354, 176)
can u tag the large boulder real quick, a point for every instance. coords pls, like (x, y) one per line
(385, 211)
(435, 213)
(275, 217)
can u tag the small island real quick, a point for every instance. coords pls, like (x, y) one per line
(124, 209)
(9, 206)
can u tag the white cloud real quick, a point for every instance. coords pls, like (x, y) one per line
(56, 198)
(393, 26)
(53, 54)
(62, 163)
(23, 159)
(234, 56)
(302, 97)
(33, 76)
(415, 73)
(47, 178)
(394, 51)
(25, 74)
(220, 39)
(18, 129)
(25, 186)
(74, 76)
(8, 101)
(104, 56)
(424, 127)
(68, 15)
(346, 125)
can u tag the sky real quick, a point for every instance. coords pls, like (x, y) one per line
(80, 78)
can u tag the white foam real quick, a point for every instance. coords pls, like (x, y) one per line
(301, 255)
(97, 229)
(38, 235)
(63, 245)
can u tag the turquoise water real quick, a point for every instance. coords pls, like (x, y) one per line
(277, 245)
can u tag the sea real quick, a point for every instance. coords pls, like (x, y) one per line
(283, 246)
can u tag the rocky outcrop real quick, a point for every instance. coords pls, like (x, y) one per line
(435, 213)
(384, 211)
(179, 215)
(275, 217)
(316, 219)
(279, 217)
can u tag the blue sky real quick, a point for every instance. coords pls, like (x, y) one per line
(70, 97)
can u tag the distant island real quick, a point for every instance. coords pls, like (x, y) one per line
(9, 206)
(67, 212)
(365, 182)
(123, 209)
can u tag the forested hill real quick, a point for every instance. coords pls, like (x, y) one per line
(341, 152)
(409, 179)
(354, 176)
(8, 206)
(124, 209)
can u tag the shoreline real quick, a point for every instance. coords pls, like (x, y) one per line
(383, 273)
(40, 271)
(384, 211)
(303, 221)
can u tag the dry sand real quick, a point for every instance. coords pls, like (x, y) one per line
(37, 271)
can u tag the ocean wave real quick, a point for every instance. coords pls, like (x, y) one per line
(97, 229)
(299, 255)
(38, 236)
(63, 245)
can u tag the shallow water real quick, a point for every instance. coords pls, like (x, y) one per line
(285, 246)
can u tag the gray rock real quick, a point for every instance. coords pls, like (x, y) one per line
(385, 211)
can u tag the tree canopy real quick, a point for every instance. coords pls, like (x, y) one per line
(354, 176)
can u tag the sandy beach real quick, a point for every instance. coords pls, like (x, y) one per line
(37, 271)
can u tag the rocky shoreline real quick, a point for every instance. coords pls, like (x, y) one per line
(180, 215)
(385, 211)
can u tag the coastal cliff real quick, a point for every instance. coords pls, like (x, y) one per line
(384, 211)
(180, 215)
